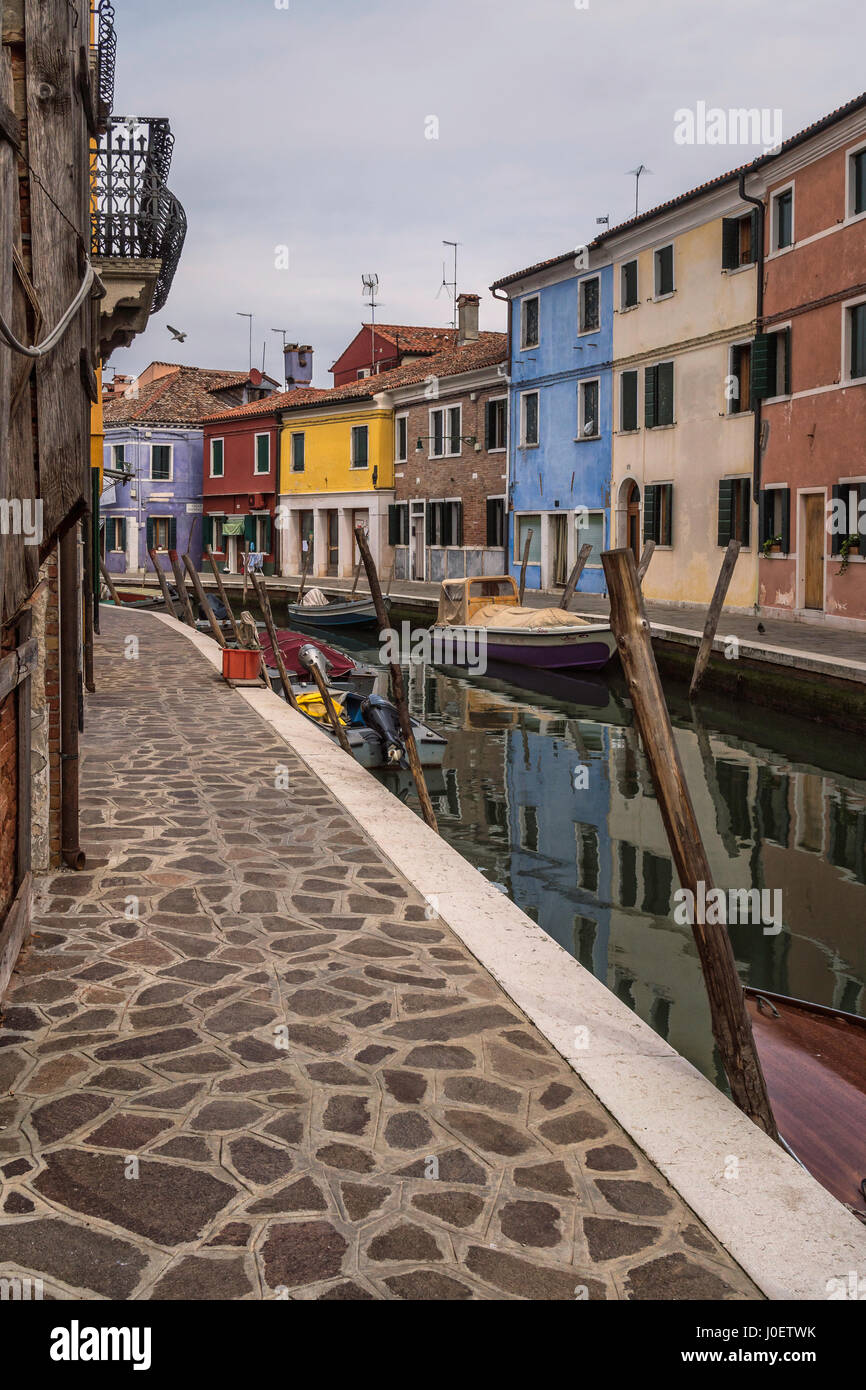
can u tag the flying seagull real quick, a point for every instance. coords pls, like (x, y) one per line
(180, 337)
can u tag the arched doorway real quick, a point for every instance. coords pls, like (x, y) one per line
(632, 518)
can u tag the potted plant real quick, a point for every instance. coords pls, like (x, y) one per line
(771, 544)
(850, 543)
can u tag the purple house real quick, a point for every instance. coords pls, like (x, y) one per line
(152, 494)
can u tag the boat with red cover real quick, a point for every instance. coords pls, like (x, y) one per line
(343, 672)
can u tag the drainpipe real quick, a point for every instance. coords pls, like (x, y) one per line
(70, 595)
(756, 404)
(506, 552)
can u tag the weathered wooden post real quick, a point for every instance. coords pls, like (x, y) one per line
(706, 647)
(265, 605)
(163, 584)
(180, 583)
(202, 598)
(221, 589)
(524, 564)
(577, 571)
(304, 564)
(309, 656)
(397, 685)
(357, 576)
(106, 574)
(646, 555)
(732, 1029)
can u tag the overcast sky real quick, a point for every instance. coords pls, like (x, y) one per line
(307, 127)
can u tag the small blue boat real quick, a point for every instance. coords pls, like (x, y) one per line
(359, 612)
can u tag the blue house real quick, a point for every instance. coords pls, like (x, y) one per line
(561, 351)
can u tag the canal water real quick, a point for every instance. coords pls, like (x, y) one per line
(545, 789)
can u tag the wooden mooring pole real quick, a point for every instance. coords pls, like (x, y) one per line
(163, 584)
(265, 605)
(715, 610)
(180, 584)
(523, 566)
(397, 685)
(106, 574)
(732, 1029)
(202, 598)
(221, 589)
(304, 566)
(585, 552)
(646, 555)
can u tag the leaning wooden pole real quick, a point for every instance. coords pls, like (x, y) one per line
(585, 552)
(180, 584)
(221, 589)
(265, 605)
(202, 599)
(304, 564)
(524, 564)
(333, 716)
(646, 555)
(163, 584)
(732, 1029)
(357, 576)
(715, 611)
(397, 685)
(106, 574)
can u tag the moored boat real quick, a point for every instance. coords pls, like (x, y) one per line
(360, 612)
(373, 731)
(484, 612)
(342, 671)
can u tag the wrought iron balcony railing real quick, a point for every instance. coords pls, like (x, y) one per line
(136, 217)
(103, 52)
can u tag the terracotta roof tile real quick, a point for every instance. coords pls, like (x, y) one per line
(179, 397)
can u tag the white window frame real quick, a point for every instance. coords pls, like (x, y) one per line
(447, 451)
(623, 307)
(161, 516)
(220, 517)
(516, 547)
(591, 511)
(498, 448)
(361, 467)
(587, 381)
(260, 518)
(656, 253)
(586, 332)
(846, 379)
(120, 467)
(523, 440)
(161, 444)
(401, 419)
(769, 400)
(261, 472)
(218, 439)
(850, 214)
(775, 248)
(115, 549)
(636, 372)
(524, 346)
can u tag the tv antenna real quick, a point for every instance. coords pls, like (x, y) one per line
(641, 169)
(450, 284)
(283, 332)
(370, 288)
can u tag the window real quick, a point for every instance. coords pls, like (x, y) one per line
(783, 219)
(658, 501)
(847, 516)
(528, 819)
(658, 881)
(160, 462)
(740, 240)
(359, 446)
(664, 271)
(118, 457)
(590, 528)
(445, 431)
(734, 510)
(771, 364)
(445, 522)
(401, 439)
(628, 285)
(587, 410)
(496, 423)
(529, 323)
(857, 341)
(857, 183)
(588, 297)
(628, 402)
(523, 525)
(213, 531)
(586, 844)
(398, 523)
(263, 453)
(774, 518)
(363, 374)
(161, 532)
(115, 533)
(659, 395)
(529, 419)
(298, 455)
(217, 458)
(260, 537)
(738, 388)
(495, 521)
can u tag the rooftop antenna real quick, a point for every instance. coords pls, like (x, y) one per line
(451, 284)
(283, 331)
(370, 286)
(239, 315)
(603, 221)
(641, 169)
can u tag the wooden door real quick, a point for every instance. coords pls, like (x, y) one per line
(560, 549)
(333, 542)
(633, 520)
(813, 550)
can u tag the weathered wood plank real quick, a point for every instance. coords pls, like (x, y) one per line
(525, 562)
(202, 599)
(14, 930)
(577, 571)
(715, 611)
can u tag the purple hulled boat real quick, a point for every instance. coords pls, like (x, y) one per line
(485, 613)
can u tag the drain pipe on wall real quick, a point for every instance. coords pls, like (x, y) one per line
(507, 379)
(70, 601)
(756, 404)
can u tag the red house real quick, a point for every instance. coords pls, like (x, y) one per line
(380, 347)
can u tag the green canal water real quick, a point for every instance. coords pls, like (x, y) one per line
(547, 792)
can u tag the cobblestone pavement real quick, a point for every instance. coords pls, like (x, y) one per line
(415, 1137)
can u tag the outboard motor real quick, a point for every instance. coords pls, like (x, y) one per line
(382, 717)
(309, 655)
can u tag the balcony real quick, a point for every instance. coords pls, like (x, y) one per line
(138, 225)
(103, 51)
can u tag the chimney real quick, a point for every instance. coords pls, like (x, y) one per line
(298, 368)
(467, 318)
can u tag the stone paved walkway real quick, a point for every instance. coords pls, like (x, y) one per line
(281, 1078)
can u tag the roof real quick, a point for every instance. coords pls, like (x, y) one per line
(182, 396)
(485, 351)
(721, 179)
(410, 339)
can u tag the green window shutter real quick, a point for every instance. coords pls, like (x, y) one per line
(429, 518)
(730, 243)
(249, 529)
(785, 527)
(628, 407)
(667, 537)
(172, 533)
(726, 509)
(121, 539)
(488, 423)
(149, 532)
(650, 381)
(665, 393)
(786, 333)
(763, 370)
(268, 529)
(445, 523)
(840, 495)
(492, 520)
(458, 539)
(754, 233)
(650, 512)
(393, 524)
(746, 531)
(629, 284)
(765, 515)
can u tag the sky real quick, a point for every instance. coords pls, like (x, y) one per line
(352, 136)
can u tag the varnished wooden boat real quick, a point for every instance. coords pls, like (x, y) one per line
(814, 1062)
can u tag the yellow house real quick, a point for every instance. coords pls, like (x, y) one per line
(683, 430)
(336, 472)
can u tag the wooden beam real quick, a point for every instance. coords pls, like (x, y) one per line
(218, 579)
(14, 930)
(163, 584)
(265, 605)
(715, 610)
(180, 585)
(202, 598)
(646, 556)
(18, 666)
(585, 552)
(304, 565)
(732, 1029)
(523, 565)
(106, 574)
(27, 655)
(397, 686)
(333, 717)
